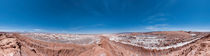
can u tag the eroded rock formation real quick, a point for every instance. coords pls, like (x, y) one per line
(13, 44)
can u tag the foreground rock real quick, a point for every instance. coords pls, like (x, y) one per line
(197, 44)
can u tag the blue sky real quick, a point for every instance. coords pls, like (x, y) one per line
(104, 16)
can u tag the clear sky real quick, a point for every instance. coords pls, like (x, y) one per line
(104, 16)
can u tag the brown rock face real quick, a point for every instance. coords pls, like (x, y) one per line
(12, 44)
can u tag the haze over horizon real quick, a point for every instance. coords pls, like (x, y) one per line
(104, 16)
